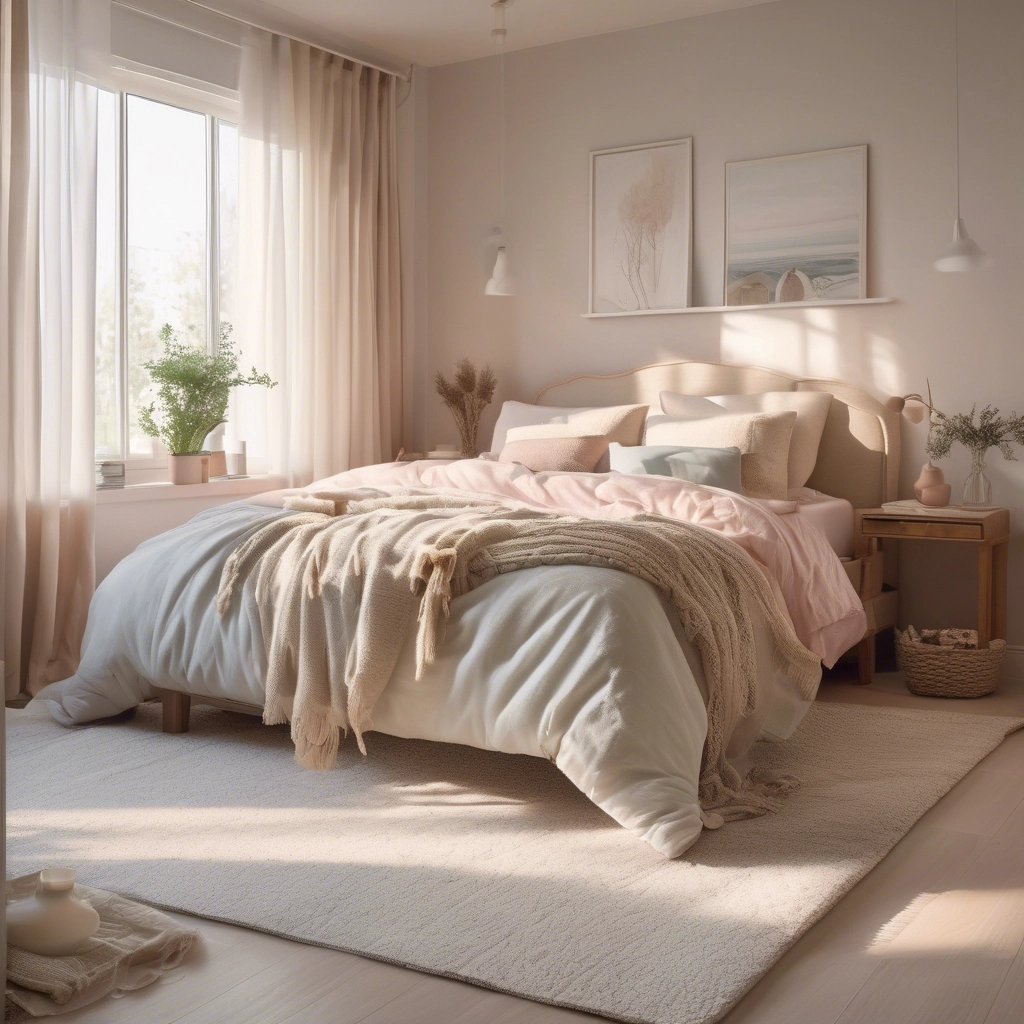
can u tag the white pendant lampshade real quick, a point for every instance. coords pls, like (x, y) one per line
(500, 282)
(963, 253)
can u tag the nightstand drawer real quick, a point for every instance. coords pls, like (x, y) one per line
(905, 528)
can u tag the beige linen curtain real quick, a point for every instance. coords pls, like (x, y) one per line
(47, 345)
(13, 198)
(319, 277)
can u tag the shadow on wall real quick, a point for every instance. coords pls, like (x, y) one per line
(812, 344)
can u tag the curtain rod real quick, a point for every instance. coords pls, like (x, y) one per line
(406, 76)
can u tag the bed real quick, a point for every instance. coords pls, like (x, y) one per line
(584, 665)
(858, 458)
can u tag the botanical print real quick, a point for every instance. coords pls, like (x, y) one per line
(640, 222)
(795, 228)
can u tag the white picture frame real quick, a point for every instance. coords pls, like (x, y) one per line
(796, 228)
(641, 228)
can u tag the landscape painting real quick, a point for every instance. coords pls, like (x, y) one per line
(640, 228)
(796, 228)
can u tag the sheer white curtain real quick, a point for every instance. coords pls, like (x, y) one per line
(319, 278)
(46, 392)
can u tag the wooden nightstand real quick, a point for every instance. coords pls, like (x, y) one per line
(988, 529)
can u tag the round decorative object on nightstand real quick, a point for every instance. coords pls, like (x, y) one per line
(931, 488)
(948, 662)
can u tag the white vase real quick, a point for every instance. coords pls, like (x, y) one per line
(235, 456)
(52, 922)
(189, 469)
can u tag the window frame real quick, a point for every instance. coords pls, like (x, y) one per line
(216, 109)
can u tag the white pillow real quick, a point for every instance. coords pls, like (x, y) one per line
(688, 407)
(811, 408)
(622, 423)
(762, 438)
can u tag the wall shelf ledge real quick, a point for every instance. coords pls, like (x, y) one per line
(742, 309)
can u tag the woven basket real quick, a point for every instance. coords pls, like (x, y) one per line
(948, 662)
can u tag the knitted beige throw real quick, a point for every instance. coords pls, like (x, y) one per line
(349, 571)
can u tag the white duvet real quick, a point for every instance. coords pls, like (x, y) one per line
(576, 664)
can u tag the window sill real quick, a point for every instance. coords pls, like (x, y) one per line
(164, 491)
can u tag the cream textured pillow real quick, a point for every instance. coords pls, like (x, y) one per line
(622, 423)
(762, 438)
(556, 454)
(811, 408)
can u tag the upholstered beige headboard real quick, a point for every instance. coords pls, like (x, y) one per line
(859, 455)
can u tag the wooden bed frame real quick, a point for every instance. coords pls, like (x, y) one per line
(858, 459)
(176, 707)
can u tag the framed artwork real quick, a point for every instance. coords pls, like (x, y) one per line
(796, 227)
(641, 227)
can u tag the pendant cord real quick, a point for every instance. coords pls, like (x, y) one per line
(501, 140)
(956, 65)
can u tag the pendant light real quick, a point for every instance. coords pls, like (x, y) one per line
(500, 282)
(963, 253)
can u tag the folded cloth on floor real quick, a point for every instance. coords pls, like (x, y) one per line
(134, 946)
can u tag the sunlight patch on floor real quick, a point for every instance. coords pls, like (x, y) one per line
(385, 837)
(979, 921)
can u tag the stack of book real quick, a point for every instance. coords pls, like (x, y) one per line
(109, 474)
(913, 506)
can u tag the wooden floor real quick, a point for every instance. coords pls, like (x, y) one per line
(934, 935)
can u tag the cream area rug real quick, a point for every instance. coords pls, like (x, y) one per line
(475, 865)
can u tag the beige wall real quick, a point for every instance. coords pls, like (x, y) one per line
(788, 77)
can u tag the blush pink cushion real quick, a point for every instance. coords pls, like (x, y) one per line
(556, 454)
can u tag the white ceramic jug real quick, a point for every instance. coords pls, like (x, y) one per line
(52, 922)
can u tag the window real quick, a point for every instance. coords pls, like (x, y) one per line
(167, 202)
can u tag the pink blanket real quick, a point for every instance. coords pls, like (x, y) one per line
(826, 612)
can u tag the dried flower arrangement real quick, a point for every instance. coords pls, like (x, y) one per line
(991, 431)
(914, 407)
(467, 395)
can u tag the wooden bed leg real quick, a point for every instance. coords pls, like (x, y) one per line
(175, 709)
(865, 660)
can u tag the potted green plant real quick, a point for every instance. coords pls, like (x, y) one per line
(192, 391)
(990, 431)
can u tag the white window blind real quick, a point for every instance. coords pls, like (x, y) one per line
(177, 41)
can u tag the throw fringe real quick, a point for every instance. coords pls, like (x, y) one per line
(434, 568)
(316, 742)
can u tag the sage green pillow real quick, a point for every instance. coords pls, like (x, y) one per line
(712, 467)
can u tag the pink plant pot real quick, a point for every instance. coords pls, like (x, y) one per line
(189, 469)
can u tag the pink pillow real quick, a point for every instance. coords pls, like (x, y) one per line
(556, 454)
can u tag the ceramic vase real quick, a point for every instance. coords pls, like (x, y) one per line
(52, 922)
(930, 488)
